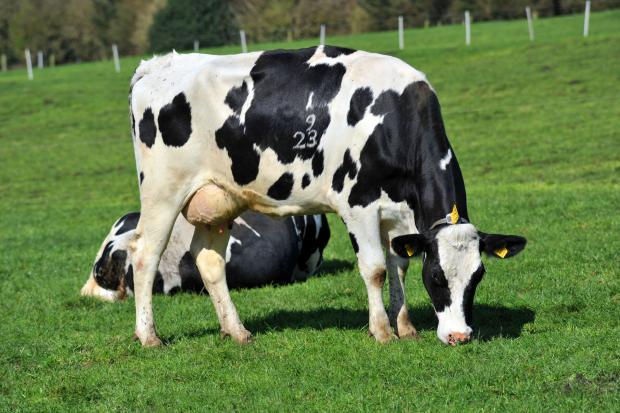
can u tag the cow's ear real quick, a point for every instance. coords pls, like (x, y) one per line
(501, 246)
(410, 245)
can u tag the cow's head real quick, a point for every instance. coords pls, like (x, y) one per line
(111, 277)
(107, 279)
(453, 268)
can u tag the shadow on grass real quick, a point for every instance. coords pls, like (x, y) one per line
(489, 321)
(333, 267)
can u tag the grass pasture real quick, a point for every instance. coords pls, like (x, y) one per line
(536, 127)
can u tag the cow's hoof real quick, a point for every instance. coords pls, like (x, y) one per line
(409, 335)
(152, 341)
(242, 336)
(380, 329)
(382, 337)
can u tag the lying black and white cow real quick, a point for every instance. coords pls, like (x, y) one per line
(315, 130)
(261, 250)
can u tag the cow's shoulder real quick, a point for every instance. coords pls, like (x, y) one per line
(380, 72)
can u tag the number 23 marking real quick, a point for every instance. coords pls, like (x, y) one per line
(311, 134)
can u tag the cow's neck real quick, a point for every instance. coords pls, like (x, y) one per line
(439, 182)
(438, 193)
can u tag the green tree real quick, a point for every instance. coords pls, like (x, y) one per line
(8, 8)
(266, 20)
(269, 20)
(385, 13)
(38, 25)
(180, 22)
(336, 15)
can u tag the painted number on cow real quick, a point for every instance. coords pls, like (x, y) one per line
(306, 139)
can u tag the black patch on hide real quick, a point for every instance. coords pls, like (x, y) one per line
(147, 128)
(347, 167)
(175, 121)
(360, 100)
(279, 116)
(281, 189)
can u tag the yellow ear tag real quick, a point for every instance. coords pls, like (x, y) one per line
(409, 250)
(501, 252)
(454, 215)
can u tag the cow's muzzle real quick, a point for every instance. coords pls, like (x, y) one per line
(458, 338)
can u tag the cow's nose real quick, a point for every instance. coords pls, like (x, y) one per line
(455, 338)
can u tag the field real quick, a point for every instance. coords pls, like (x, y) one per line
(536, 127)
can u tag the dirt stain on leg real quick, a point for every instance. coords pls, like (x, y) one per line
(377, 279)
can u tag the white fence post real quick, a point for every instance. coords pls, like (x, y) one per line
(530, 24)
(586, 20)
(196, 45)
(244, 45)
(3, 63)
(117, 63)
(40, 59)
(467, 28)
(401, 34)
(52, 62)
(322, 35)
(28, 63)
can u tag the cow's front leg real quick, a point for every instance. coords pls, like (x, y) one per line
(209, 249)
(399, 316)
(366, 240)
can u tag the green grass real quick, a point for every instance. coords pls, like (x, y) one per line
(536, 130)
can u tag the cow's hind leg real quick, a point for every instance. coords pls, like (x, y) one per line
(365, 237)
(209, 249)
(150, 240)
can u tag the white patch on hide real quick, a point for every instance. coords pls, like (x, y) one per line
(309, 104)
(443, 163)
(241, 221)
(247, 103)
(232, 240)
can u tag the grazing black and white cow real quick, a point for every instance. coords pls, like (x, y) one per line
(261, 250)
(315, 130)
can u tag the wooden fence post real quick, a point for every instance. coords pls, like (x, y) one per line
(244, 45)
(28, 63)
(530, 24)
(586, 20)
(467, 28)
(117, 63)
(401, 34)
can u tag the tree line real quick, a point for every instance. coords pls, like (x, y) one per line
(77, 30)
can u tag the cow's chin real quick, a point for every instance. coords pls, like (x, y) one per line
(92, 289)
(452, 329)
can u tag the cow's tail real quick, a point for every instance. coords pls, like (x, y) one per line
(146, 67)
